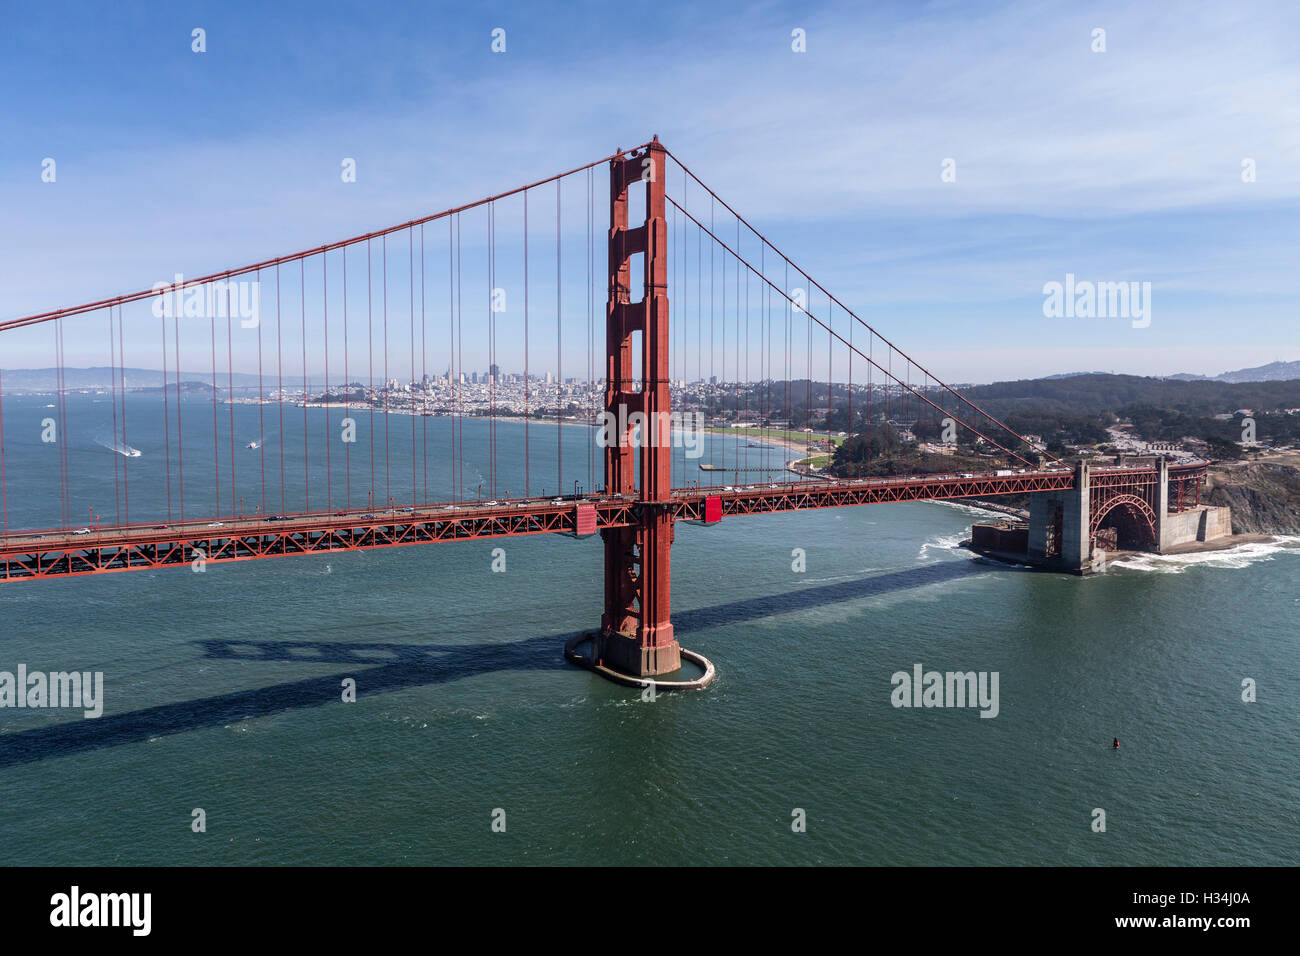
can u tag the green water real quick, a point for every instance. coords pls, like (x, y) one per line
(222, 691)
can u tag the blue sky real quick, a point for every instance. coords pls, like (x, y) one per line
(1116, 166)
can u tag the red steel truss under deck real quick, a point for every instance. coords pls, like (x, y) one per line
(26, 555)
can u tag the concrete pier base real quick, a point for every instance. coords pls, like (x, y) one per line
(574, 654)
(1059, 534)
(625, 652)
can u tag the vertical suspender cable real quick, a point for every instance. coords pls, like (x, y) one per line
(849, 430)
(121, 358)
(370, 336)
(306, 437)
(279, 375)
(699, 318)
(453, 377)
(764, 362)
(212, 342)
(591, 309)
(424, 378)
(230, 395)
(410, 269)
(527, 396)
(683, 285)
(492, 351)
(559, 372)
(388, 486)
(61, 413)
(460, 360)
(66, 445)
(347, 389)
(180, 437)
(712, 349)
(787, 345)
(261, 408)
(830, 374)
(112, 353)
(58, 418)
(808, 347)
(736, 387)
(167, 426)
(325, 407)
(749, 387)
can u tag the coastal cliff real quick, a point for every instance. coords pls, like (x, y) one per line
(1264, 495)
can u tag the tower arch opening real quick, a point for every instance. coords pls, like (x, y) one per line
(1125, 523)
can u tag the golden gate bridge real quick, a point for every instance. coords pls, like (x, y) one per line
(745, 322)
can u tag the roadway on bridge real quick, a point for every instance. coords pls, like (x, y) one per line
(49, 552)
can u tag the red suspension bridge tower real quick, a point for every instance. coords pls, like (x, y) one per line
(636, 631)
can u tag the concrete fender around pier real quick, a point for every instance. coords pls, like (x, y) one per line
(574, 655)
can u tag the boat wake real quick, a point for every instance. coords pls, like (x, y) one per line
(257, 443)
(123, 449)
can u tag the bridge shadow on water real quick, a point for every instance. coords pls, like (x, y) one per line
(821, 595)
(392, 667)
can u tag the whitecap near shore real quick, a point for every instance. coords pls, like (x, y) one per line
(1240, 556)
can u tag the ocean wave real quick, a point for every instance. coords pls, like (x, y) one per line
(1241, 556)
(942, 542)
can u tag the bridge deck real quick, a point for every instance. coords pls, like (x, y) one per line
(47, 553)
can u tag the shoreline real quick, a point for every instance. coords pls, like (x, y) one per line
(1019, 514)
(1226, 543)
(418, 413)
